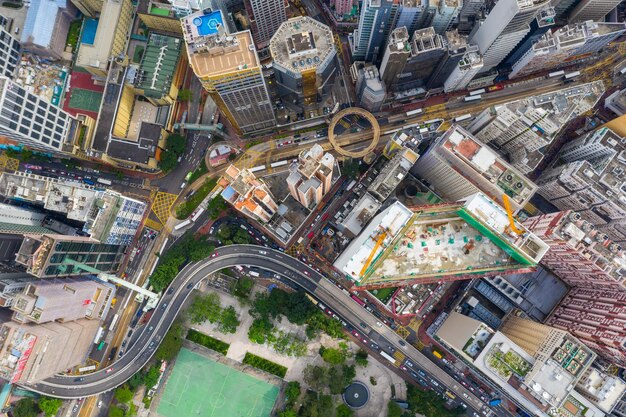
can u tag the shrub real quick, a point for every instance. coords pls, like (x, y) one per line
(208, 341)
(264, 365)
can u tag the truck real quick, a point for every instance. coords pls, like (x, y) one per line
(495, 402)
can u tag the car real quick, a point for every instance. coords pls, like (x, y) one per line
(463, 405)
(190, 285)
(402, 343)
(130, 333)
(108, 371)
(355, 333)
(408, 363)
(214, 254)
(379, 324)
(124, 343)
(121, 353)
(150, 328)
(212, 230)
(306, 273)
(163, 306)
(413, 374)
(363, 325)
(81, 379)
(465, 396)
(100, 404)
(169, 291)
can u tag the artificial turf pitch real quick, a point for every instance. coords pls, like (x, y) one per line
(200, 387)
(85, 99)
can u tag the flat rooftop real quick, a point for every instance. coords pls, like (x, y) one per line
(158, 65)
(302, 43)
(141, 150)
(97, 54)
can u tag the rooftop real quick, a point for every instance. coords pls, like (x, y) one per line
(392, 173)
(139, 151)
(426, 40)
(97, 53)
(302, 43)
(606, 390)
(158, 64)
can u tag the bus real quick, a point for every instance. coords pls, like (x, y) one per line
(114, 322)
(477, 92)
(473, 98)
(182, 224)
(197, 214)
(351, 185)
(88, 181)
(556, 74)
(188, 176)
(96, 339)
(623, 71)
(358, 300)
(86, 369)
(101, 345)
(253, 274)
(461, 118)
(387, 356)
(414, 112)
(104, 181)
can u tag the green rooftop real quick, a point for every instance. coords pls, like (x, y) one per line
(158, 65)
(159, 12)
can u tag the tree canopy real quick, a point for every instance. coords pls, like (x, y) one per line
(50, 406)
(26, 407)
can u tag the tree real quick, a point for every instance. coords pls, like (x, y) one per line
(50, 406)
(334, 356)
(115, 411)
(185, 94)
(229, 321)
(292, 392)
(216, 206)
(176, 144)
(123, 394)
(168, 161)
(26, 407)
(345, 411)
(393, 409)
(316, 376)
(26, 155)
(171, 344)
(260, 329)
(152, 376)
(205, 308)
(361, 357)
(136, 381)
(199, 252)
(317, 405)
(288, 413)
(243, 287)
(351, 168)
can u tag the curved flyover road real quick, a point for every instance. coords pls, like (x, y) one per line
(170, 304)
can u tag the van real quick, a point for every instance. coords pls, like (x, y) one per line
(183, 185)
(17, 31)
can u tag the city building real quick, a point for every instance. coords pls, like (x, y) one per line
(427, 50)
(455, 49)
(247, 194)
(30, 353)
(10, 53)
(467, 68)
(343, 7)
(304, 55)
(89, 8)
(160, 15)
(29, 120)
(19, 220)
(367, 43)
(46, 26)
(112, 32)
(591, 10)
(457, 165)
(565, 46)
(446, 12)
(396, 54)
(620, 408)
(229, 69)
(522, 129)
(11, 284)
(579, 254)
(392, 174)
(504, 28)
(310, 178)
(439, 242)
(471, 12)
(63, 300)
(616, 102)
(57, 256)
(412, 14)
(603, 390)
(370, 89)
(595, 316)
(588, 177)
(266, 16)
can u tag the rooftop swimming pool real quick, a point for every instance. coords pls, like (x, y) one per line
(207, 23)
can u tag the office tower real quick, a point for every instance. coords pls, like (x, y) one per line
(90, 8)
(579, 255)
(395, 57)
(10, 53)
(463, 73)
(247, 194)
(370, 90)
(42, 15)
(29, 120)
(50, 256)
(412, 14)
(427, 51)
(310, 178)
(595, 316)
(343, 7)
(616, 102)
(392, 174)
(159, 15)
(588, 179)
(30, 353)
(505, 26)
(455, 49)
(11, 284)
(63, 300)
(437, 243)
(594, 10)
(368, 40)
(304, 56)
(538, 27)
(229, 69)
(446, 12)
(266, 16)
(457, 165)
(471, 12)
(566, 45)
(602, 389)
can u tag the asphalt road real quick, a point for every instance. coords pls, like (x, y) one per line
(170, 304)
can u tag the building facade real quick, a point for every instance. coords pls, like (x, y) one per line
(368, 40)
(310, 178)
(468, 67)
(10, 53)
(266, 16)
(370, 89)
(396, 54)
(456, 48)
(247, 194)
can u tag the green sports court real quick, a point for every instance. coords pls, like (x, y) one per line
(85, 99)
(200, 387)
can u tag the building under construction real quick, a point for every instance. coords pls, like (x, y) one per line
(436, 243)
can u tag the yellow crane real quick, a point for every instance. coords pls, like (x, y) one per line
(379, 242)
(509, 213)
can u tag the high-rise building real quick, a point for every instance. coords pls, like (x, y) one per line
(392, 173)
(412, 14)
(471, 12)
(566, 45)
(602, 389)
(310, 178)
(90, 8)
(440, 242)
(445, 14)
(395, 57)
(266, 16)
(63, 300)
(343, 7)
(468, 67)
(32, 352)
(112, 31)
(427, 50)
(457, 165)
(368, 40)
(10, 53)
(595, 316)
(591, 10)
(229, 69)
(455, 49)
(304, 56)
(11, 284)
(46, 27)
(370, 90)
(504, 27)
(616, 102)
(247, 194)
(588, 179)
(160, 15)
(27, 119)
(50, 256)
(579, 255)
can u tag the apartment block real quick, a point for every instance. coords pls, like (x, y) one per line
(464, 72)
(412, 14)
(247, 194)
(10, 53)
(162, 16)
(616, 102)
(343, 7)
(266, 16)
(456, 48)
(310, 178)
(603, 390)
(392, 174)
(457, 165)
(228, 67)
(370, 89)
(445, 14)
(64, 300)
(11, 284)
(368, 40)
(427, 50)
(396, 54)
(30, 353)
(579, 254)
